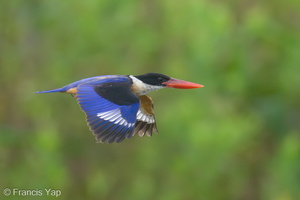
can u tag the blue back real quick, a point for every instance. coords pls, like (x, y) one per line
(97, 80)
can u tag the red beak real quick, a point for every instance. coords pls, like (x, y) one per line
(180, 84)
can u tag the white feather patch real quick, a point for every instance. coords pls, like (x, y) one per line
(115, 117)
(142, 116)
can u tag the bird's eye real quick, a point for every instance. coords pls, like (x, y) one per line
(160, 78)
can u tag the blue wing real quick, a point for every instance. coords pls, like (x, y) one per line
(110, 109)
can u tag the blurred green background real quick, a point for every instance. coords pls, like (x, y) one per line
(236, 138)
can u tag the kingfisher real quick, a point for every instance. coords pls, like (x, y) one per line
(116, 106)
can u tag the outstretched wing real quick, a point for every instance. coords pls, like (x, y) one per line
(145, 123)
(110, 109)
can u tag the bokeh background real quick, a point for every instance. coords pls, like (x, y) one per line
(236, 138)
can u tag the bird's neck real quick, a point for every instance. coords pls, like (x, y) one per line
(140, 88)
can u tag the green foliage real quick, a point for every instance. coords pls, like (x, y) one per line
(236, 138)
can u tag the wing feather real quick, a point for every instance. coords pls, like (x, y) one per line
(145, 121)
(109, 119)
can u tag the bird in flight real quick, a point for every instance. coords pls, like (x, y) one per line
(116, 106)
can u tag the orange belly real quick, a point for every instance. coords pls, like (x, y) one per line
(72, 91)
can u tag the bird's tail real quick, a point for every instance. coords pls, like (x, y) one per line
(54, 90)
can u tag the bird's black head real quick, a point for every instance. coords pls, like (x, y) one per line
(153, 79)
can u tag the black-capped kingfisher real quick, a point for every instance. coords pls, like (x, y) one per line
(116, 106)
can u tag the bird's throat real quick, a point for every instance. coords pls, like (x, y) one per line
(140, 88)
